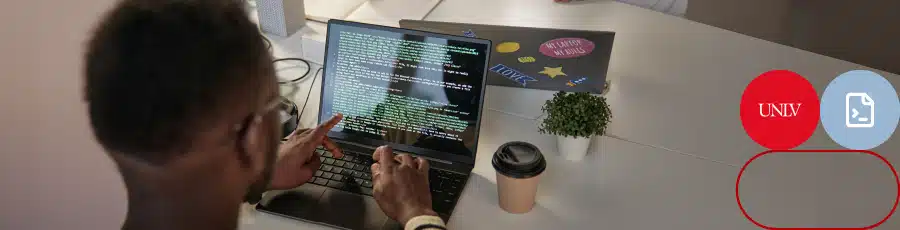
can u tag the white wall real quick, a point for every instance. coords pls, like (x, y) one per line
(53, 175)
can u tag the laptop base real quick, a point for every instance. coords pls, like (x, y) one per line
(351, 206)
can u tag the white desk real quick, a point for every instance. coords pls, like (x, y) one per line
(676, 85)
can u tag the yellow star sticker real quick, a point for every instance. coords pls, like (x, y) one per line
(553, 72)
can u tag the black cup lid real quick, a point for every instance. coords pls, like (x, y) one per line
(519, 160)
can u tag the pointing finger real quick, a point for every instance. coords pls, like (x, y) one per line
(323, 129)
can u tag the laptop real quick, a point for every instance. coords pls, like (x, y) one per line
(419, 92)
(538, 58)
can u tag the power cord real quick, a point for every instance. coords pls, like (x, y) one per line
(295, 80)
(309, 91)
(305, 62)
(311, 84)
(268, 42)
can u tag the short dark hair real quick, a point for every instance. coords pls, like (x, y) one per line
(157, 69)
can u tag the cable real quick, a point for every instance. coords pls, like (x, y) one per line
(270, 47)
(305, 62)
(268, 42)
(309, 92)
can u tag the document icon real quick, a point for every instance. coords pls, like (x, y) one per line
(860, 110)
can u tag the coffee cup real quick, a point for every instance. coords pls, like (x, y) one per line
(519, 166)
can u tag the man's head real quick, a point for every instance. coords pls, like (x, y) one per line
(183, 87)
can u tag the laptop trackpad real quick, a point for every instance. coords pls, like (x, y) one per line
(349, 210)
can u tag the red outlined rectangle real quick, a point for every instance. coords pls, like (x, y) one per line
(744, 212)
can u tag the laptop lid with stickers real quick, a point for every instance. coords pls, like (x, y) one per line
(537, 58)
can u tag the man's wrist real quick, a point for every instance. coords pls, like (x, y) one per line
(416, 212)
(425, 223)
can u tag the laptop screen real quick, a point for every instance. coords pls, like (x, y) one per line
(416, 91)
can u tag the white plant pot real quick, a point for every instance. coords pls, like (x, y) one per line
(572, 148)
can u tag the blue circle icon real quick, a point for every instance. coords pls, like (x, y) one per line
(860, 110)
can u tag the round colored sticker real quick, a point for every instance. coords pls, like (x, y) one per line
(567, 47)
(860, 110)
(780, 109)
(508, 47)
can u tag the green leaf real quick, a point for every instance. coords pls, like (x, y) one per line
(575, 114)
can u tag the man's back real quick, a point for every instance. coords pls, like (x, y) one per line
(182, 95)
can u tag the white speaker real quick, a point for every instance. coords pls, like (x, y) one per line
(280, 17)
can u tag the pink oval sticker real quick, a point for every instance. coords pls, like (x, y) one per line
(567, 47)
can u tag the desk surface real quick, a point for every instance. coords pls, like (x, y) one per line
(692, 73)
(677, 141)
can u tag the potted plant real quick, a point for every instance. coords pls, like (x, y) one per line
(575, 118)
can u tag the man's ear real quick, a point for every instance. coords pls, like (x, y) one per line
(251, 146)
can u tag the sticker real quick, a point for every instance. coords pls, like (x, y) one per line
(526, 59)
(572, 83)
(553, 72)
(469, 33)
(508, 47)
(567, 47)
(512, 74)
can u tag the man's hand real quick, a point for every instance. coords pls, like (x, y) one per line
(298, 161)
(401, 185)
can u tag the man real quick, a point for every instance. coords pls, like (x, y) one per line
(182, 96)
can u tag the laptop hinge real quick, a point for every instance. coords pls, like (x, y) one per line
(396, 152)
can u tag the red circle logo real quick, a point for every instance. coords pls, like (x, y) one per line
(780, 109)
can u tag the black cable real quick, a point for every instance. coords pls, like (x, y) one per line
(309, 92)
(268, 42)
(305, 62)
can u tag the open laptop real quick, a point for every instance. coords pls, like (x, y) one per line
(418, 92)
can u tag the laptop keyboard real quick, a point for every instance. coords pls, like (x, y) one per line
(445, 188)
(352, 173)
